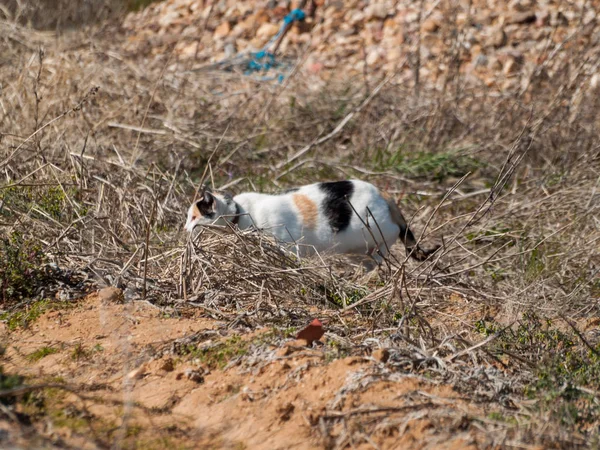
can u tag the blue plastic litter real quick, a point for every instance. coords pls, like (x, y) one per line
(264, 60)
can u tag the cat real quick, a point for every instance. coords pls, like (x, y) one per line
(331, 216)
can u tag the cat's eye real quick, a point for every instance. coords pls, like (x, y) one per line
(194, 217)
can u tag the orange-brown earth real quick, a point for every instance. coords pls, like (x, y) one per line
(132, 390)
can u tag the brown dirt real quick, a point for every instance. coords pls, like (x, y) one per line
(133, 395)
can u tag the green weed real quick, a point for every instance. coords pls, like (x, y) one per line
(22, 318)
(31, 312)
(9, 381)
(432, 166)
(41, 353)
(220, 354)
(565, 370)
(21, 271)
(49, 200)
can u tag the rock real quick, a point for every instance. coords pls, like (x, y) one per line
(376, 11)
(510, 67)
(222, 30)
(521, 17)
(266, 31)
(194, 375)
(372, 57)
(111, 294)
(167, 19)
(430, 26)
(138, 373)
(542, 18)
(595, 81)
(381, 354)
(168, 365)
(497, 39)
(356, 18)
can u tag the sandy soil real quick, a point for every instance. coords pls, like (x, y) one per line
(132, 391)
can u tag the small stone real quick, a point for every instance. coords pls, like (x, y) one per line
(372, 57)
(595, 81)
(381, 354)
(194, 375)
(168, 365)
(267, 30)
(138, 373)
(512, 62)
(542, 18)
(222, 30)
(430, 26)
(497, 39)
(111, 294)
(376, 11)
(521, 17)
(167, 19)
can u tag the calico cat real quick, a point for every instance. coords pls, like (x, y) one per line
(333, 216)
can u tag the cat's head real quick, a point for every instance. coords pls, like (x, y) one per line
(208, 208)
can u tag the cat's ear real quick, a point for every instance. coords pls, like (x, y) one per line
(207, 204)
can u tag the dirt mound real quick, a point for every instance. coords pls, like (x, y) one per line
(134, 376)
(500, 45)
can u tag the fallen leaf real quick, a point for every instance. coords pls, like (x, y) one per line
(313, 332)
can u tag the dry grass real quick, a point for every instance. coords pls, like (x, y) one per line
(101, 154)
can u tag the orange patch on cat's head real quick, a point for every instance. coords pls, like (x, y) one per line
(308, 210)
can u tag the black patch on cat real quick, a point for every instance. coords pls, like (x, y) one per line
(206, 205)
(336, 205)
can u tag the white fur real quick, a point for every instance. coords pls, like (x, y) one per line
(278, 215)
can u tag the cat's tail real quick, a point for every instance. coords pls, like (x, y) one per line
(406, 235)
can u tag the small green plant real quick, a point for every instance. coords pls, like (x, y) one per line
(485, 327)
(7, 382)
(41, 353)
(565, 370)
(347, 298)
(23, 317)
(220, 354)
(49, 201)
(80, 352)
(21, 270)
(433, 166)
(290, 332)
